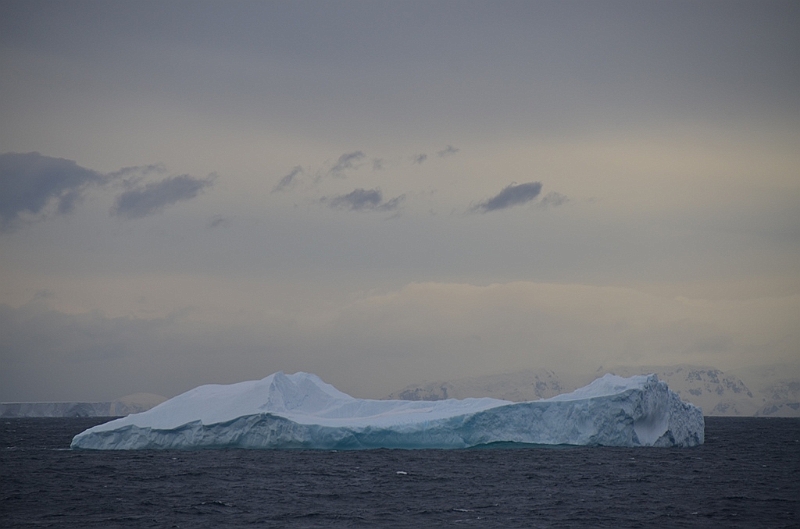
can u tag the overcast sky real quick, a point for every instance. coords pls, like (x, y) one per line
(384, 193)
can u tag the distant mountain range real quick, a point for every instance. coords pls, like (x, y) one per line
(765, 391)
(762, 391)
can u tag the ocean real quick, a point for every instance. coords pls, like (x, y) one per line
(747, 474)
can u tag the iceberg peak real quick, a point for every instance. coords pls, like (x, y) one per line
(303, 392)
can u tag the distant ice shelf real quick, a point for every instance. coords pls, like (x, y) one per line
(300, 411)
(136, 403)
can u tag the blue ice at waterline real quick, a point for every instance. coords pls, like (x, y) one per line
(301, 411)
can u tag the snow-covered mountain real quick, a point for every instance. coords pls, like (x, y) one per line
(769, 391)
(519, 386)
(715, 392)
(779, 387)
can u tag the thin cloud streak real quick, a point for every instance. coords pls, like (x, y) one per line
(138, 170)
(352, 161)
(288, 180)
(447, 151)
(346, 162)
(364, 200)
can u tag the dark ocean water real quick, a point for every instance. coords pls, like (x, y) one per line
(746, 475)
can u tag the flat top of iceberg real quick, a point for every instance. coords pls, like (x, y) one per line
(306, 399)
(301, 397)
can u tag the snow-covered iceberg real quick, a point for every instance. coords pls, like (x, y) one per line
(301, 411)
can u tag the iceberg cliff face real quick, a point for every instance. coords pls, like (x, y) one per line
(301, 411)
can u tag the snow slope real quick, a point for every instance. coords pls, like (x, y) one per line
(302, 411)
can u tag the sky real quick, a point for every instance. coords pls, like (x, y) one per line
(386, 193)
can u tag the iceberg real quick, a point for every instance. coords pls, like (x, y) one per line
(300, 411)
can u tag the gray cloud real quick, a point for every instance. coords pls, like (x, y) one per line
(364, 200)
(447, 151)
(288, 180)
(30, 181)
(351, 161)
(392, 204)
(155, 196)
(345, 162)
(513, 195)
(357, 200)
